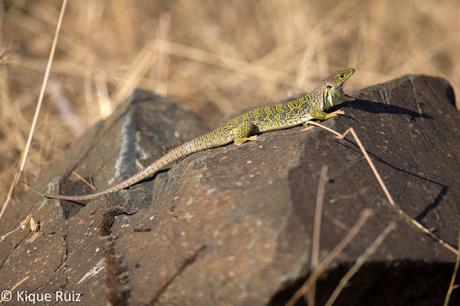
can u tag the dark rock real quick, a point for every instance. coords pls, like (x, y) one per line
(233, 225)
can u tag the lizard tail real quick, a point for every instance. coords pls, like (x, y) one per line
(195, 145)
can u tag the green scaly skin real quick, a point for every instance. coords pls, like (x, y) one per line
(311, 106)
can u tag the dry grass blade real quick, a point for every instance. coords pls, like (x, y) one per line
(59, 67)
(359, 262)
(85, 181)
(3, 54)
(365, 215)
(219, 60)
(162, 67)
(452, 285)
(17, 285)
(57, 96)
(310, 296)
(103, 97)
(139, 68)
(405, 217)
(3, 237)
(37, 112)
(267, 60)
(28, 222)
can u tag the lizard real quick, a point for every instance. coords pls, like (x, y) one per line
(245, 127)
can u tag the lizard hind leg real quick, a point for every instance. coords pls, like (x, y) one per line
(243, 133)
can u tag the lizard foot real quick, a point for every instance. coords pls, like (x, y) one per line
(307, 127)
(240, 141)
(335, 114)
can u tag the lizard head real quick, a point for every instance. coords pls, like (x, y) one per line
(332, 88)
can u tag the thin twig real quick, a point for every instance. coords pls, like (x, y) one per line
(359, 262)
(405, 217)
(317, 231)
(452, 285)
(25, 154)
(366, 213)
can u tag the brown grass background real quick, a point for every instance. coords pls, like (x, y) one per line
(214, 56)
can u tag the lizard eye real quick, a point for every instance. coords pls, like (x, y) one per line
(342, 75)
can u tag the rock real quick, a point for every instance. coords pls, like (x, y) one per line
(233, 225)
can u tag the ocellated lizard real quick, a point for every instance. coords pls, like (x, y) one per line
(310, 106)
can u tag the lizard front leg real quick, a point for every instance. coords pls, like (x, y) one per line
(243, 133)
(320, 115)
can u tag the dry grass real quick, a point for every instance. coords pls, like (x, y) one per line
(331, 256)
(370, 250)
(43, 88)
(234, 53)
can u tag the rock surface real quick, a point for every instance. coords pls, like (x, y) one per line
(233, 225)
